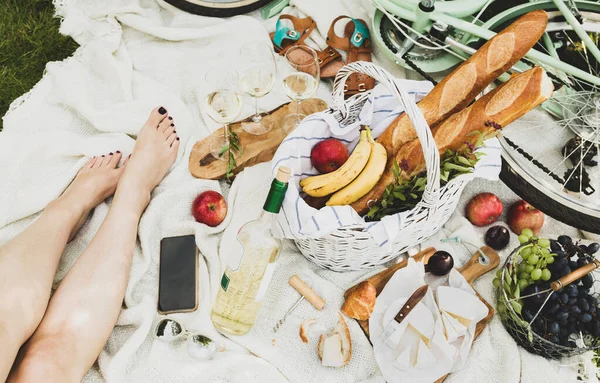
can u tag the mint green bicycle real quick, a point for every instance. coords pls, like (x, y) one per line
(551, 160)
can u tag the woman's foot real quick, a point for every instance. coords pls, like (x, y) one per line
(94, 183)
(154, 152)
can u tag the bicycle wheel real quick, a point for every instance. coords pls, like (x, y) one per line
(549, 161)
(218, 8)
(553, 161)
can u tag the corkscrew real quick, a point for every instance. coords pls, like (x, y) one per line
(305, 293)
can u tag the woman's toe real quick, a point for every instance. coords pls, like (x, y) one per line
(175, 145)
(164, 125)
(114, 159)
(157, 116)
(167, 133)
(101, 161)
(90, 163)
(97, 162)
(172, 138)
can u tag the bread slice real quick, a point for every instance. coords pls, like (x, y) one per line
(304, 329)
(335, 349)
(459, 89)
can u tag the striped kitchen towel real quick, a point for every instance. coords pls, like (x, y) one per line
(297, 220)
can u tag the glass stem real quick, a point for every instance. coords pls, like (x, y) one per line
(298, 108)
(256, 114)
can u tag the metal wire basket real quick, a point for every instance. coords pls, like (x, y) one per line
(535, 333)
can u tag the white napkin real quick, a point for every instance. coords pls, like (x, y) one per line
(478, 309)
(417, 349)
(414, 350)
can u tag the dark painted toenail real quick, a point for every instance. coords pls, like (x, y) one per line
(103, 155)
(111, 153)
(162, 110)
(118, 151)
(170, 118)
(174, 131)
(177, 138)
(172, 124)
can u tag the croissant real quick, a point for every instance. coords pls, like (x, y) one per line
(360, 303)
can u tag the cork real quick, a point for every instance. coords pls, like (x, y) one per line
(283, 174)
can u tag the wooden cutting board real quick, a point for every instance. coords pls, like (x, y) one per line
(256, 149)
(471, 271)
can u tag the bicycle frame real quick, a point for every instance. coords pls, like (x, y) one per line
(457, 8)
(446, 13)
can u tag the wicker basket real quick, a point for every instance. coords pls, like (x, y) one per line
(352, 248)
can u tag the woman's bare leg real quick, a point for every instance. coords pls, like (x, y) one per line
(85, 307)
(28, 262)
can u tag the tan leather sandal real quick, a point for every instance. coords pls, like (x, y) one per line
(330, 60)
(357, 43)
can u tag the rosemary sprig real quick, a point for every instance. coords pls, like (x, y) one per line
(232, 147)
(404, 194)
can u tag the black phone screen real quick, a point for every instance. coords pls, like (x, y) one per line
(177, 286)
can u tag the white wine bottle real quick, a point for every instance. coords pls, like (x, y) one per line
(249, 270)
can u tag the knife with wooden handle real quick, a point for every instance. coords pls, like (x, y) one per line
(410, 304)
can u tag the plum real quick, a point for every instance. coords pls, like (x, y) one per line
(497, 237)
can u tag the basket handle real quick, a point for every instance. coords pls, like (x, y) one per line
(430, 150)
(575, 275)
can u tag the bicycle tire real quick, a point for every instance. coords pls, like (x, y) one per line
(546, 204)
(218, 11)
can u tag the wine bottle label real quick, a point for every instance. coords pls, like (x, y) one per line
(225, 282)
(264, 284)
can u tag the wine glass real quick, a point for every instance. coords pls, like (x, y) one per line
(223, 105)
(302, 82)
(258, 77)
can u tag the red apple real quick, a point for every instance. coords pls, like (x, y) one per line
(483, 209)
(522, 215)
(209, 208)
(328, 155)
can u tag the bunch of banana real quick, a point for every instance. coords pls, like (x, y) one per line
(366, 180)
(355, 178)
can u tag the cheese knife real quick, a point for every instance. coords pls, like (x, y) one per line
(414, 299)
(410, 304)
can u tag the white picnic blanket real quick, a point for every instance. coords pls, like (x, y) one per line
(135, 55)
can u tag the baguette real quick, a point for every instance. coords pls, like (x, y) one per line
(460, 88)
(493, 111)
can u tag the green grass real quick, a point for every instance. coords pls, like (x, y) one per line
(29, 39)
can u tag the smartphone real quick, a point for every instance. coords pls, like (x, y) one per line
(178, 275)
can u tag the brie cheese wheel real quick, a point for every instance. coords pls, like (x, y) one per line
(391, 312)
(465, 307)
(409, 340)
(459, 328)
(396, 334)
(425, 357)
(332, 351)
(421, 321)
(449, 331)
(405, 360)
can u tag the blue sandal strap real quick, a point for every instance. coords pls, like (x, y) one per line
(361, 32)
(284, 33)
